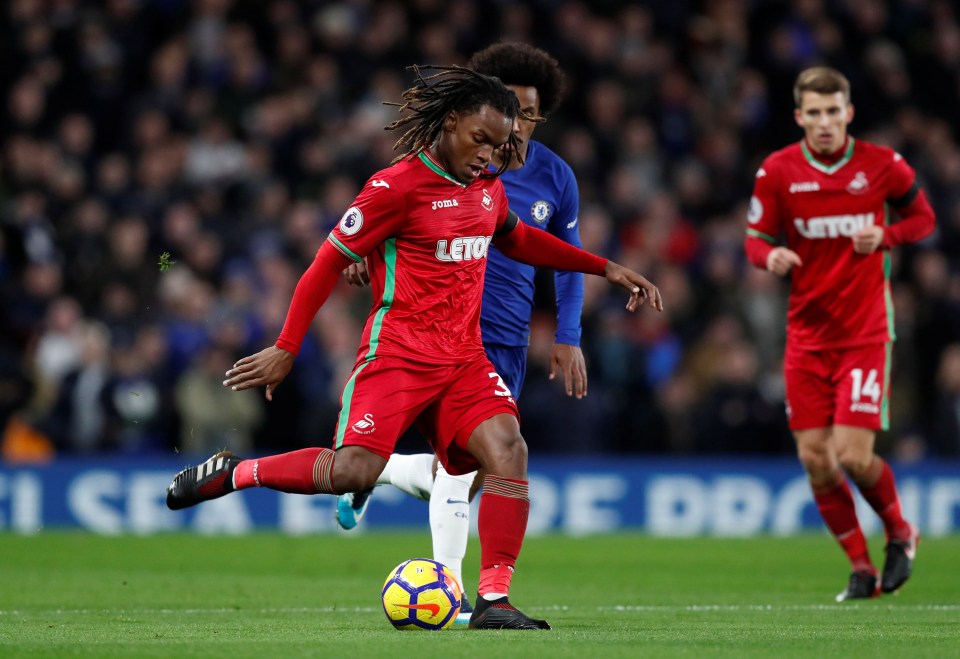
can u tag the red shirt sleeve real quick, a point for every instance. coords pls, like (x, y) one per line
(901, 176)
(542, 249)
(917, 219)
(374, 216)
(312, 291)
(763, 216)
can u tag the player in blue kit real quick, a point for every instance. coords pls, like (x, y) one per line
(543, 192)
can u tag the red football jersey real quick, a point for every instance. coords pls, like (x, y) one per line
(425, 236)
(838, 298)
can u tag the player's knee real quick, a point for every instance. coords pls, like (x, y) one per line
(856, 463)
(817, 461)
(356, 470)
(508, 450)
(515, 448)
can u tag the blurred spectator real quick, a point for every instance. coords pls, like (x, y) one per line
(76, 422)
(16, 390)
(945, 426)
(60, 347)
(736, 417)
(139, 413)
(214, 418)
(214, 157)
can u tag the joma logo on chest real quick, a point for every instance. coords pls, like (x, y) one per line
(443, 203)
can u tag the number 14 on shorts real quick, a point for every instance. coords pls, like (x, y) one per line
(863, 388)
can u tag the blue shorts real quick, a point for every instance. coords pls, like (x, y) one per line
(511, 364)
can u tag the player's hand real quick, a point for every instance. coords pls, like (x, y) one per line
(356, 274)
(641, 290)
(568, 360)
(781, 260)
(266, 368)
(868, 239)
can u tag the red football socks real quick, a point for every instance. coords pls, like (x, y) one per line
(502, 522)
(307, 471)
(835, 502)
(882, 497)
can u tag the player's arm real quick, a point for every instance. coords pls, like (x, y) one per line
(375, 215)
(382, 199)
(271, 365)
(763, 226)
(916, 216)
(538, 248)
(917, 220)
(775, 258)
(566, 357)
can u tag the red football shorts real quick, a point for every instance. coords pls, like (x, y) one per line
(386, 395)
(847, 387)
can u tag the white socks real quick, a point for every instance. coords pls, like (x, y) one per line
(449, 498)
(412, 474)
(450, 519)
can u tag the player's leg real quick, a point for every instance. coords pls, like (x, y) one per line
(451, 495)
(834, 500)
(810, 408)
(311, 470)
(307, 471)
(450, 526)
(369, 401)
(404, 391)
(474, 424)
(861, 411)
(412, 474)
(876, 482)
(504, 509)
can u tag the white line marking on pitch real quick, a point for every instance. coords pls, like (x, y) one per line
(625, 608)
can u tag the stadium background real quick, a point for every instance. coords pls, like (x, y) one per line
(232, 134)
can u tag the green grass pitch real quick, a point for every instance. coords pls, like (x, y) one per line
(630, 595)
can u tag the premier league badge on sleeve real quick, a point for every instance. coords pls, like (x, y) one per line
(755, 214)
(351, 221)
(540, 211)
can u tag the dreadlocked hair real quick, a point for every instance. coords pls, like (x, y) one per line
(452, 89)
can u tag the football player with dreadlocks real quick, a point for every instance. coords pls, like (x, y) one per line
(424, 224)
(543, 191)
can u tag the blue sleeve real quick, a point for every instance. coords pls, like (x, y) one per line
(569, 285)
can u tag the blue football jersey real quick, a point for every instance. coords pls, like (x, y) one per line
(544, 194)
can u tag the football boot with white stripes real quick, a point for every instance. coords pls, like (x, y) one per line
(209, 480)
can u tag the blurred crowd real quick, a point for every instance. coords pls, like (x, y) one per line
(168, 168)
